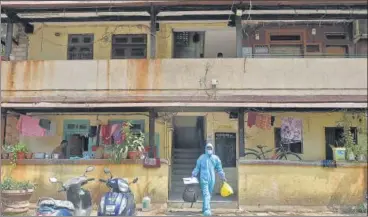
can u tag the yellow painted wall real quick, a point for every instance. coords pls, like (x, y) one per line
(290, 185)
(152, 181)
(44, 45)
(313, 132)
(48, 143)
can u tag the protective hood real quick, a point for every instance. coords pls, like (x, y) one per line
(209, 145)
(209, 152)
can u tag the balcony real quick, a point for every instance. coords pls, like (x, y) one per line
(256, 80)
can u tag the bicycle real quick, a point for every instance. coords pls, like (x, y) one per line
(281, 153)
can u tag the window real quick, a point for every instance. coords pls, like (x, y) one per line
(129, 47)
(335, 36)
(296, 147)
(181, 39)
(313, 48)
(335, 135)
(80, 47)
(136, 128)
(285, 38)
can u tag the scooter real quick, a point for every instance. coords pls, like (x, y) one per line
(78, 203)
(120, 200)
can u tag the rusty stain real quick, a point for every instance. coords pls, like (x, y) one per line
(108, 74)
(39, 71)
(157, 74)
(142, 76)
(27, 74)
(10, 83)
(141, 72)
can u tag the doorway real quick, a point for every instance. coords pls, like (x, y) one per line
(188, 145)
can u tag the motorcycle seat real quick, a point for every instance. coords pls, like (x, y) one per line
(58, 203)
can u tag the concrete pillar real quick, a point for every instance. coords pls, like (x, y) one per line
(241, 132)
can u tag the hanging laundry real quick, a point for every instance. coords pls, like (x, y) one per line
(105, 134)
(116, 133)
(92, 131)
(291, 130)
(263, 121)
(52, 131)
(28, 126)
(45, 124)
(251, 119)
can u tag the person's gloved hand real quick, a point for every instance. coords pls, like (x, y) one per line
(224, 179)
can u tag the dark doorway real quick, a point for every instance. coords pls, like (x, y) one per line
(188, 132)
(333, 136)
(188, 140)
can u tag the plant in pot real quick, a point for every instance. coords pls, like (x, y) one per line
(15, 195)
(134, 141)
(19, 152)
(119, 152)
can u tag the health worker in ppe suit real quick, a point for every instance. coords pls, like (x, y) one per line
(206, 165)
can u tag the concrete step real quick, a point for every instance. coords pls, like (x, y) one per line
(183, 166)
(185, 161)
(186, 155)
(183, 172)
(179, 177)
(187, 150)
(177, 189)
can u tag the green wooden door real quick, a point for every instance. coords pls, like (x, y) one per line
(72, 127)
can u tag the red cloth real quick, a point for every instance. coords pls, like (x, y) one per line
(263, 121)
(28, 126)
(105, 134)
(251, 119)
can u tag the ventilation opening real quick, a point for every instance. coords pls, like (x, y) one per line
(312, 48)
(285, 37)
(335, 36)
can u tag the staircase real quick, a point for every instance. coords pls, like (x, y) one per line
(184, 161)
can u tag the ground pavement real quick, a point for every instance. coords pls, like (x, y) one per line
(163, 211)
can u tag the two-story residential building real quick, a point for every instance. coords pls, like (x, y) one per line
(227, 72)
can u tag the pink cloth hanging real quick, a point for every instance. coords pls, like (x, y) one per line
(28, 126)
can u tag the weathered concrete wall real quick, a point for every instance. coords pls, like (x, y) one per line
(291, 185)
(152, 182)
(173, 77)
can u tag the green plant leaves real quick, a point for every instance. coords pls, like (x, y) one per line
(11, 184)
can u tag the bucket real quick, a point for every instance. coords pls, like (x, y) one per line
(146, 204)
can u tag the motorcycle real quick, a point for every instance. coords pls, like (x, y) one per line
(78, 203)
(120, 200)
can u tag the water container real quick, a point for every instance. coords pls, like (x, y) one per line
(146, 204)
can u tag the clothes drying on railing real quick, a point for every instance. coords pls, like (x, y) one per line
(28, 126)
(291, 130)
(262, 121)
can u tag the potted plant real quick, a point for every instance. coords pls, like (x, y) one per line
(20, 151)
(355, 150)
(133, 141)
(15, 195)
(135, 145)
(119, 152)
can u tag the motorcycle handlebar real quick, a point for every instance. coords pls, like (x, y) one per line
(102, 180)
(90, 179)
